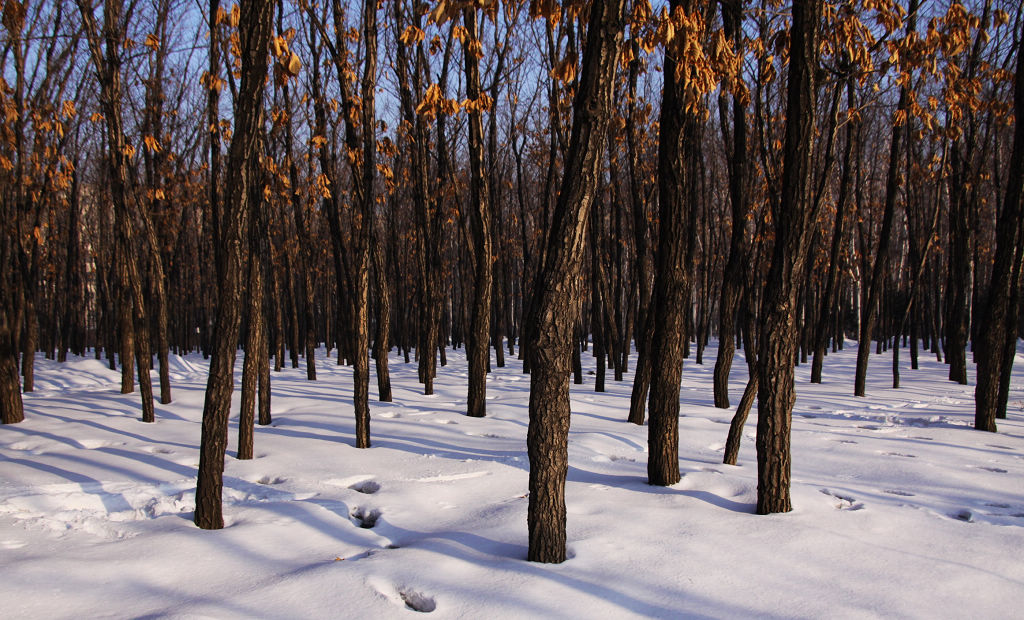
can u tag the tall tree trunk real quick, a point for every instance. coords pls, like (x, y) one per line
(305, 243)
(997, 343)
(777, 338)
(880, 270)
(256, 336)
(480, 224)
(554, 307)
(12, 408)
(361, 236)
(382, 339)
(672, 286)
(254, 38)
(134, 322)
(732, 279)
(827, 308)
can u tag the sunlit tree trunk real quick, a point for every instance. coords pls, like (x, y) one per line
(254, 30)
(554, 308)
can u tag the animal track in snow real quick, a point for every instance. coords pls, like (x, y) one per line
(485, 435)
(271, 480)
(369, 487)
(899, 492)
(417, 601)
(844, 502)
(963, 515)
(365, 518)
(156, 450)
(94, 444)
(26, 446)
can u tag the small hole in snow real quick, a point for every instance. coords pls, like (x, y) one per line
(417, 601)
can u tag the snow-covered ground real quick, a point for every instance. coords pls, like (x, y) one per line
(901, 509)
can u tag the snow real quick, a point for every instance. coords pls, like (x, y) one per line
(901, 509)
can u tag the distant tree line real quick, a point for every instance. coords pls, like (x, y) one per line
(533, 178)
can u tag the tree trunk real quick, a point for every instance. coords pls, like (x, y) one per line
(827, 307)
(671, 301)
(256, 336)
(254, 34)
(382, 339)
(554, 307)
(997, 343)
(777, 338)
(880, 270)
(480, 224)
(12, 409)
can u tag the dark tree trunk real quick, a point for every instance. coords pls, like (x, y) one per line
(732, 279)
(11, 407)
(255, 340)
(997, 343)
(254, 34)
(132, 313)
(671, 301)
(361, 269)
(382, 339)
(777, 339)
(305, 243)
(880, 270)
(480, 225)
(554, 308)
(827, 308)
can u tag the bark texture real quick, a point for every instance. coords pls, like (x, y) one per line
(554, 308)
(254, 32)
(777, 341)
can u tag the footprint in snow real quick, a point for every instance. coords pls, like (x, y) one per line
(485, 435)
(369, 487)
(271, 480)
(365, 518)
(156, 450)
(417, 601)
(963, 515)
(95, 444)
(844, 502)
(995, 470)
(899, 492)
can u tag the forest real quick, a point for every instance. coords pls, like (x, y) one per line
(516, 179)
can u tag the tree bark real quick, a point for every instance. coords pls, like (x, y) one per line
(254, 33)
(672, 279)
(554, 306)
(732, 279)
(997, 343)
(480, 219)
(777, 339)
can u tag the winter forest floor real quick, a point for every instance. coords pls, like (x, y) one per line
(901, 508)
